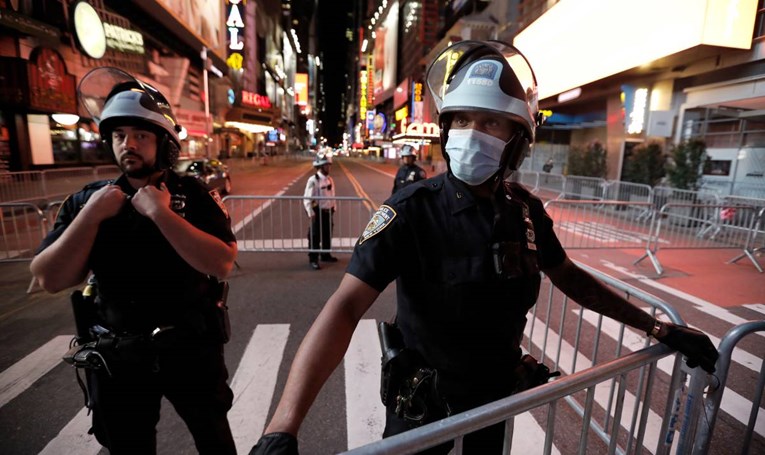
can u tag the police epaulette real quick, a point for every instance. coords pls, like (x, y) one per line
(98, 184)
(408, 191)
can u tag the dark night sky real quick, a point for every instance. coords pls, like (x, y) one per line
(332, 21)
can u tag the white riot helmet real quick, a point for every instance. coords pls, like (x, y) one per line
(408, 150)
(320, 160)
(492, 77)
(115, 98)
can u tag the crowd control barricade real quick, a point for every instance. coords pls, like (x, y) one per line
(282, 224)
(600, 224)
(618, 393)
(755, 242)
(589, 188)
(551, 186)
(529, 179)
(703, 226)
(33, 186)
(23, 227)
(708, 418)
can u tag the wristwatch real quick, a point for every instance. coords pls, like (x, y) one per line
(657, 326)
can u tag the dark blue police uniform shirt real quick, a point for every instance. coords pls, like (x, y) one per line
(435, 238)
(139, 273)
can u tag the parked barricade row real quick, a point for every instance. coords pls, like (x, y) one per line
(32, 186)
(626, 394)
(600, 224)
(702, 226)
(590, 188)
(282, 224)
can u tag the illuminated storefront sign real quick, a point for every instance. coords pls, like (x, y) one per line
(235, 26)
(635, 103)
(417, 102)
(253, 99)
(402, 113)
(123, 39)
(370, 80)
(363, 94)
(422, 129)
(301, 89)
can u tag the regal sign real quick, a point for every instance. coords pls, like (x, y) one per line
(255, 100)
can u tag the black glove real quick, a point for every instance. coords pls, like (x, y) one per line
(276, 444)
(693, 344)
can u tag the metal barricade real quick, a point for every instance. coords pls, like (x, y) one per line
(755, 242)
(33, 186)
(21, 186)
(528, 179)
(551, 186)
(701, 226)
(281, 223)
(22, 226)
(589, 188)
(624, 402)
(600, 224)
(707, 420)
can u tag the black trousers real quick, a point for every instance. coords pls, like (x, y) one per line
(320, 233)
(126, 405)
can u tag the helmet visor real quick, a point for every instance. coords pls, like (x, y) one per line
(442, 69)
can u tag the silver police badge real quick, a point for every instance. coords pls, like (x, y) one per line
(382, 218)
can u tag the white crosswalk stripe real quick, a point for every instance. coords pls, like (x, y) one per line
(255, 379)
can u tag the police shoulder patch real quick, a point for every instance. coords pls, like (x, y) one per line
(216, 197)
(380, 220)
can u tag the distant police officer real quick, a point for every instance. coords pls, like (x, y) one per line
(156, 244)
(320, 211)
(466, 250)
(409, 172)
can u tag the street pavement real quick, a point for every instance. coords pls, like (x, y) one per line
(267, 288)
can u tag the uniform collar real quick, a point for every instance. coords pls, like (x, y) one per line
(458, 194)
(170, 180)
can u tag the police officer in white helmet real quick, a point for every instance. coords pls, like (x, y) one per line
(156, 245)
(319, 203)
(466, 249)
(409, 172)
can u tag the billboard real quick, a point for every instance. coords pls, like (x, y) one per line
(386, 43)
(202, 17)
(301, 89)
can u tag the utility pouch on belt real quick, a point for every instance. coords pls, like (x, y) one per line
(530, 373)
(218, 321)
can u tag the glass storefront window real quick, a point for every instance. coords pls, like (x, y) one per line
(66, 147)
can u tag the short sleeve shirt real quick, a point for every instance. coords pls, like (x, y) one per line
(135, 265)
(435, 239)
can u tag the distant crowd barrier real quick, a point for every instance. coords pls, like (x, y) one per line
(32, 186)
(281, 223)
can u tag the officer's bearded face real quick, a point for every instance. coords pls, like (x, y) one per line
(135, 150)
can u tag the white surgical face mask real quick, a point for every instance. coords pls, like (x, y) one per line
(473, 156)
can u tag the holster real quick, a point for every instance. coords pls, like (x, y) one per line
(216, 318)
(408, 385)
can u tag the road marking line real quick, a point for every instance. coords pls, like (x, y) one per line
(365, 414)
(376, 170)
(22, 374)
(732, 403)
(701, 304)
(602, 394)
(359, 190)
(758, 307)
(74, 439)
(254, 383)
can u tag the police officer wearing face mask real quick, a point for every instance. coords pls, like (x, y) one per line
(156, 245)
(466, 249)
(409, 172)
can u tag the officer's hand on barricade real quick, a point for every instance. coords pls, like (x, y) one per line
(276, 444)
(692, 343)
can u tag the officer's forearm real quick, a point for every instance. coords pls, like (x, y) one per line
(587, 291)
(321, 351)
(65, 262)
(204, 252)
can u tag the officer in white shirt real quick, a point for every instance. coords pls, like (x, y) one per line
(320, 210)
